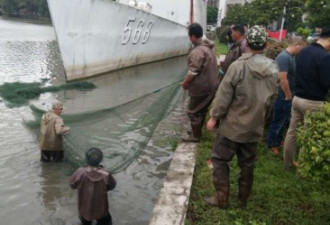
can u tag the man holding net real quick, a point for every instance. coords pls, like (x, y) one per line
(51, 130)
(201, 80)
(92, 182)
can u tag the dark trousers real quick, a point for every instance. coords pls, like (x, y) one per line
(107, 220)
(47, 156)
(280, 121)
(223, 151)
(197, 110)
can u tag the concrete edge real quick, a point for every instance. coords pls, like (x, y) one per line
(172, 203)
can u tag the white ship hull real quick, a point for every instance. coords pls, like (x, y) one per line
(97, 36)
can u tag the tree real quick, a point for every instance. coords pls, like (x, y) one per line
(237, 14)
(264, 12)
(32, 7)
(10, 7)
(318, 13)
(212, 15)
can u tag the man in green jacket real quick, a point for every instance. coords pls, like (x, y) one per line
(242, 104)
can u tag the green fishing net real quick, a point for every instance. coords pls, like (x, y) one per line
(17, 94)
(121, 132)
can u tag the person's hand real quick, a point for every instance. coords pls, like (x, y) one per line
(184, 85)
(288, 98)
(66, 130)
(211, 124)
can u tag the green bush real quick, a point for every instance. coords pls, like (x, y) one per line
(314, 142)
(222, 32)
(305, 32)
(212, 15)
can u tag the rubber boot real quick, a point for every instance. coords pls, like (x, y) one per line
(245, 185)
(220, 199)
(195, 135)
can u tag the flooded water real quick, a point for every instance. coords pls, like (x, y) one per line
(36, 193)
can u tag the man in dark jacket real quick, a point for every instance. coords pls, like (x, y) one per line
(201, 80)
(312, 83)
(237, 48)
(93, 182)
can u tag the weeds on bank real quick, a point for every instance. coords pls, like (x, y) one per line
(221, 48)
(278, 196)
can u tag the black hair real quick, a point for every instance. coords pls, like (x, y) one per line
(239, 28)
(94, 156)
(196, 30)
(325, 32)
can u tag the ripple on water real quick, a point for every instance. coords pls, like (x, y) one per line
(35, 193)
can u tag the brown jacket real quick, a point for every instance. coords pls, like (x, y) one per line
(202, 64)
(51, 130)
(92, 184)
(236, 51)
(245, 98)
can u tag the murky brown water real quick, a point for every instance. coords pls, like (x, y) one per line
(34, 193)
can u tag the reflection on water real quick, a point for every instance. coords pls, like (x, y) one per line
(36, 193)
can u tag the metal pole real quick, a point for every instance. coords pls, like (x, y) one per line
(220, 11)
(283, 20)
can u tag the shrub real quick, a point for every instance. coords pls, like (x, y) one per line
(274, 48)
(305, 32)
(314, 142)
(212, 15)
(222, 32)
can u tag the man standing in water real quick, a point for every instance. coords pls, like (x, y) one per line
(92, 182)
(201, 80)
(51, 130)
(242, 104)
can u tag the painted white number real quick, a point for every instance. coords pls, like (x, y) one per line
(134, 34)
(146, 34)
(127, 31)
(138, 31)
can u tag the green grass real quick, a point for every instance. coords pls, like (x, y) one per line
(221, 48)
(278, 196)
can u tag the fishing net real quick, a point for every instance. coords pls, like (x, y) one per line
(121, 132)
(17, 94)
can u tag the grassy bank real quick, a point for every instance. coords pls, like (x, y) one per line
(221, 48)
(278, 196)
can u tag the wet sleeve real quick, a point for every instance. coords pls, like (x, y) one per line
(283, 63)
(73, 180)
(325, 71)
(195, 62)
(111, 182)
(59, 126)
(225, 93)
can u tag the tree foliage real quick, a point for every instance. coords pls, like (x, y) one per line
(314, 142)
(25, 7)
(264, 12)
(212, 15)
(318, 13)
